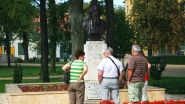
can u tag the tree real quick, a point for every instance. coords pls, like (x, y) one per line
(124, 32)
(53, 30)
(7, 24)
(153, 23)
(24, 22)
(110, 24)
(44, 42)
(78, 36)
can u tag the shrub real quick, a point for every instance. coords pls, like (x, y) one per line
(19, 60)
(157, 69)
(167, 59)
(36, 59)
(57, 59)
(17, 76)
(31, 60)
(65, 59)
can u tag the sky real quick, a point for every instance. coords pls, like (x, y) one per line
(116, 2)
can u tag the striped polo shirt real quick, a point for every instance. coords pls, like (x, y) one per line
(138, 64)
(76, 70)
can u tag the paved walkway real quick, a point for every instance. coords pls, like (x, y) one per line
(171, 70)
(4, 98)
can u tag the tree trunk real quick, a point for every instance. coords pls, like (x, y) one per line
(110, 25)
(77, 31)
(25, 46)
(44, 42)
(7, 46)
(52, 35)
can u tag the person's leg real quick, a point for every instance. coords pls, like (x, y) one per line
(105, 89)
(114, 86)
(80, 90)
(140, 90)
(72, 93)
(144, 92)
(133, 91)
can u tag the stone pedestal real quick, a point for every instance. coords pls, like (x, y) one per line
(93, 55)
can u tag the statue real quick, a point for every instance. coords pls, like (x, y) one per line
(94, 25)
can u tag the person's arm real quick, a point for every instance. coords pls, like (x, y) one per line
(149, 67)
(120, 77)
(66, 67)
(100, 75)
(85, 69)
(129, 75)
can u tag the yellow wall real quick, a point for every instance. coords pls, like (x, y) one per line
(1, 50)
(12, 50)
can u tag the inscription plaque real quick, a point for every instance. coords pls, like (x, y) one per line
(94, 91)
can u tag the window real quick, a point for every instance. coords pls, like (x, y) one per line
(20, 49)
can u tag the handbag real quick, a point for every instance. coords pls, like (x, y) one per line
(66, 76)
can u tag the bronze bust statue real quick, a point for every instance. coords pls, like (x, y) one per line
(94, 25)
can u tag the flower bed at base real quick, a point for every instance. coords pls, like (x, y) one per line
(43, 87)
(154, 102)
(49, 87)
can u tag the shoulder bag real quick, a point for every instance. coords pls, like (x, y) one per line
(66, 76)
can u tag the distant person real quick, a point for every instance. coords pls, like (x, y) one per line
(137, 67)
(94, 25)
(78, 69)
(110, 75)
(144, 90)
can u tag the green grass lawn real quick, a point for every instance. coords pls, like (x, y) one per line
(173, 85)
(27, 71)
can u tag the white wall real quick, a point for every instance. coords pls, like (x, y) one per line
(32, 53)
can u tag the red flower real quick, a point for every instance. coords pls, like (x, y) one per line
(106, 102)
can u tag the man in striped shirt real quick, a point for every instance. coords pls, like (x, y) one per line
(135, 74)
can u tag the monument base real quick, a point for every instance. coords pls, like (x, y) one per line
(93, 56)
(154, 94)
(16, 96)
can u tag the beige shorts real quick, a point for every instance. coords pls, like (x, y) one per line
(135, 91)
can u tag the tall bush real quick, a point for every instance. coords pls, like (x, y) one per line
(17, 76)
(157, 69)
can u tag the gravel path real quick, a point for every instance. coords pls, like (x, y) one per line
(174, 71)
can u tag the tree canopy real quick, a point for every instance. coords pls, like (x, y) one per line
(124, 32)
(158, 22)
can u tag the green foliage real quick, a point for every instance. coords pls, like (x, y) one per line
(179, 60)
(17, 76)
(36, 59)
(57, 59)
(30, 60)
(19, 60)
(65, 59)
(124, 32)
(158, 22)
(174, 60)
(157, 69)
(173, 85)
